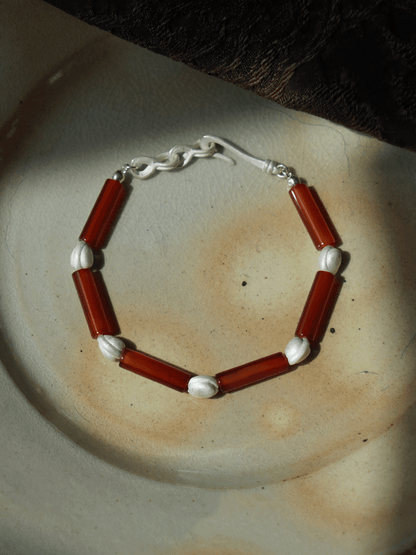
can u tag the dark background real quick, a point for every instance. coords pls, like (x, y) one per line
(351, 62)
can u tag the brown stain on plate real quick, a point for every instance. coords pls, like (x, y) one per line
(133, 407)
(257, 247)
(277, 430)
(219, 544)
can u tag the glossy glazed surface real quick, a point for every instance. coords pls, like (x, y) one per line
(105, 210)
(155, 370)
(95, 303)
(312, 216)
(319, 307)
(252, 373)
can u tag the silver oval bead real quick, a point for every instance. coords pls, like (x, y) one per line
(203, 387)
(330, 259)
(82, 256)
(297, 350)
(111, 346)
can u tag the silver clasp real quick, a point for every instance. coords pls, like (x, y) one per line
(178, 157)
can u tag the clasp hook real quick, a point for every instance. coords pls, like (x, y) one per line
(267, 166)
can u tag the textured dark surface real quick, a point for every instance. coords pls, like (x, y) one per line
(352, 62)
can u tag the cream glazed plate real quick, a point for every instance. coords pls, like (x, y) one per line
(208, 268)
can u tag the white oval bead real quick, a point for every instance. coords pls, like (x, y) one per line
(111, 346)
(330, 259)
(82, 256)
(203, 387)
(297, 350)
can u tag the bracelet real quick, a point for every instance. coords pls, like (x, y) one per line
(99, 313)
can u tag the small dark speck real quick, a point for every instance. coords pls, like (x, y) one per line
(81, 351)
(332, 330)
(353, 299)
(131, 405)
(359, 328)
(244, 283)
(364, 440)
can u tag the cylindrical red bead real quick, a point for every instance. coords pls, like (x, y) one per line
(96, 303)
(98, 226)
(155, 369)
(252, 372)
(319, 306)
(312, 216)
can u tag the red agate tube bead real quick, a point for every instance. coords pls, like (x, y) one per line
(319, 306)
(98, 226)
(96, 303)
(252, 372)
(312, 216)
(155, 369)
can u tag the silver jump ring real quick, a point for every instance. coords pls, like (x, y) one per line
(282, 171)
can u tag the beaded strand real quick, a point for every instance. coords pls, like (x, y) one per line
(101, 318)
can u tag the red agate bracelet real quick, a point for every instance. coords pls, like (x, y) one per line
(102, 320)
